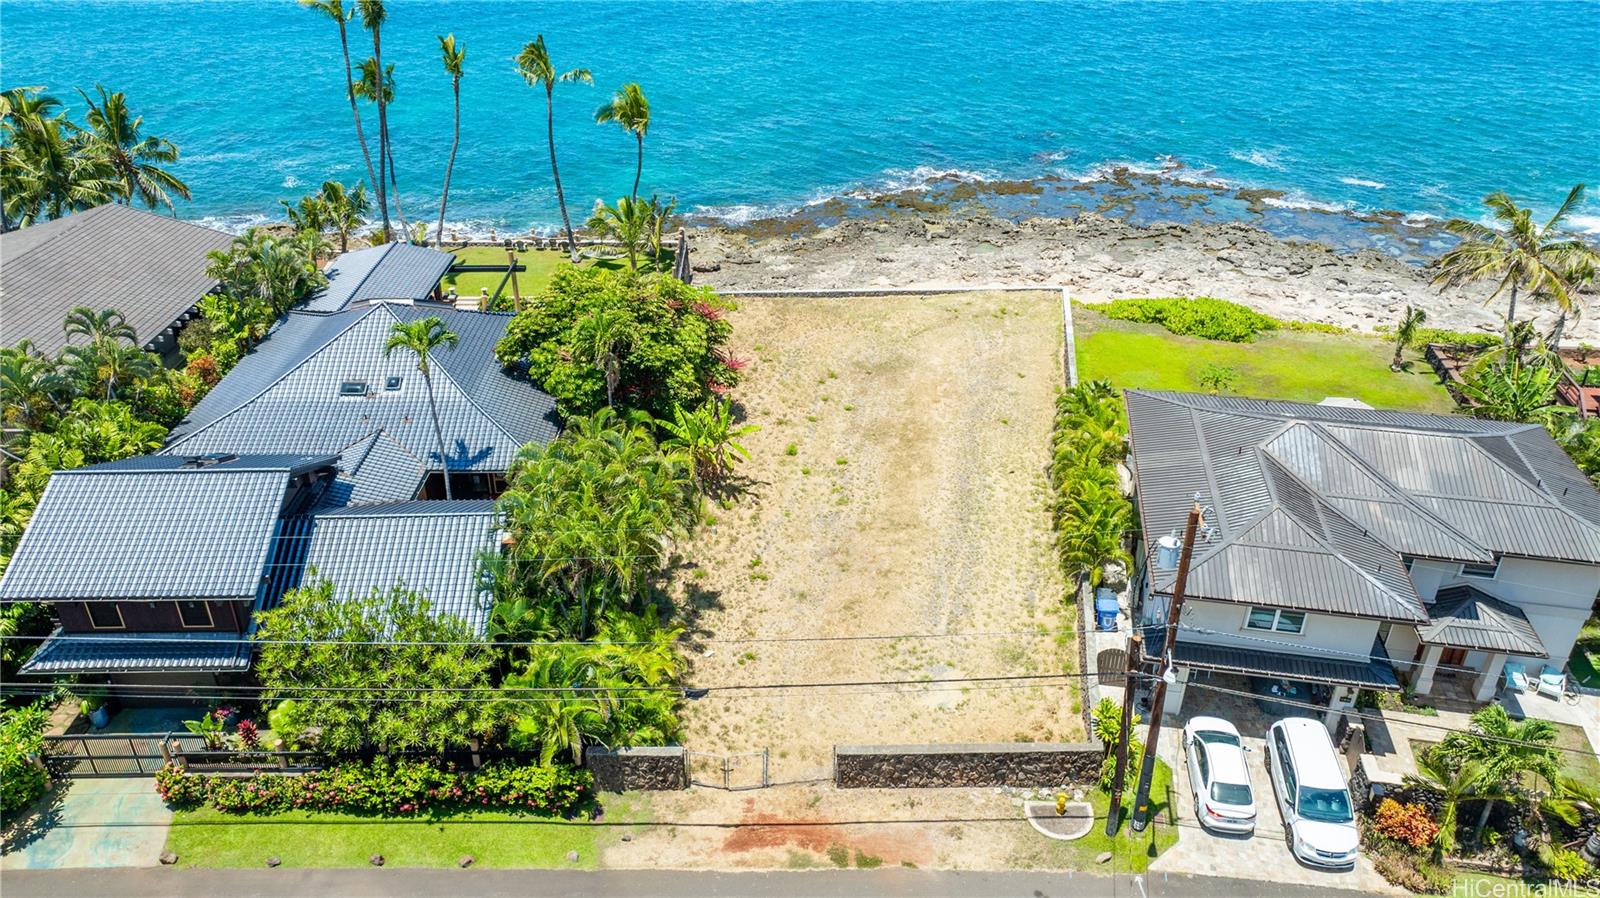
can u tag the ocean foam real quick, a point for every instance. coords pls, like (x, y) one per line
(1363, 182)
(1259, 158)
(1584, 224)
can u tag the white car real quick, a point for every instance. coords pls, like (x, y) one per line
(1223, 799)
(1318, 816)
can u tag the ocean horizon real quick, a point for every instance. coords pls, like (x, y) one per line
(762, 110)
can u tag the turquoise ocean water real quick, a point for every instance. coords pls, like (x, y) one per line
(761, 108)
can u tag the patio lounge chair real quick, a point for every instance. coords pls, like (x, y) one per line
(1552, 682)
(1516, 678)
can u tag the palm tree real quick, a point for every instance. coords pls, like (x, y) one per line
(453, 58)
(627, 223)
(367, 89)
(534, 64)
(422, 337)
(47, 169)
(31, 387)
(1520, 255)
(604, 336)
(1405, 334)
(559, 722)
(114, 135)
(709, 438)
(100, 328)
(344, 210)
(335, 10)
(660, 214)
(1514, 391)
(1454, 782)
(1506, 749)
(372, 17)
(630, 109)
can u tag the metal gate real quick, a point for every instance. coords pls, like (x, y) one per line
(95, 754)
(734, 772)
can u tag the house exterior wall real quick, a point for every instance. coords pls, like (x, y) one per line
(154, 617)
(1427, 576)
(1323, 633)
(1556, 597)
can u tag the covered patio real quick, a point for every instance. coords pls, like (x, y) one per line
(1470, 630)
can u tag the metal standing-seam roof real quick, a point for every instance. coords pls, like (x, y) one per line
(287, 395)
(149, 267)
(1313, 506)
(154, 527)
(1374, 671)
(428, 546)
(389, 271)
(1468, 618)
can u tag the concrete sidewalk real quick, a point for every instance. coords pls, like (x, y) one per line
(111, 822)
(167, 882)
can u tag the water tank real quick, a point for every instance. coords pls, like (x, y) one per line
(1167, 550)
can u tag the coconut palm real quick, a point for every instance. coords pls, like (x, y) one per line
(709, 438)
(453, 57)
(47, 169)
(335, 10)
(31, 387)
(422, 337)
(1454, 782)
(656, 235)
(373, 15)
(1518, 255)
(628, 223)
(114, 135)
(344, 210)
(629, 109)
(367, 89)
(534, 64)
(1405, 333)
(1508, 750)
(604, 336)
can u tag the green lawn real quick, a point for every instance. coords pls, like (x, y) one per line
(542, 265)
(210, 838)
(1578, 757)
(1307, 367)
(1130, 852)
(1585, 661)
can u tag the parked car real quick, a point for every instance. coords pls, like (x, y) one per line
(1223, 799)
(1318, 817)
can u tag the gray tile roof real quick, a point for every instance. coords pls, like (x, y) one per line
(285, 396)
(1374, 672)
(1315, 505)
(139, 652)
(376, 468)
(149, 267)
(427, 546)
(388, 271)
(129, 530)
(1468, 618)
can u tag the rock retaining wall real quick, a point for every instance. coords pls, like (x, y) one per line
(663, 769)
(1023, 764)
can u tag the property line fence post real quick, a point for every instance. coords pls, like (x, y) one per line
(1070, 350)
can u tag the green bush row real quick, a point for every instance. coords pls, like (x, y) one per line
(22, 776)
(384, 787)
(1203, 316)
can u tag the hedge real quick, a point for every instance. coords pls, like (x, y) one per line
(1202, 316)
(22, 776)
(384, 787)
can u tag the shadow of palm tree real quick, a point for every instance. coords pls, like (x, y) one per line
(36, 820)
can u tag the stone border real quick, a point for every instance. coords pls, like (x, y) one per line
(1020, 764)
(652, 769)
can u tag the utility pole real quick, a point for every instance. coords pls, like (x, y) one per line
(1147, 770)
(1114, 813)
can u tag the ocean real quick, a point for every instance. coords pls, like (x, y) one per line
(761, 109)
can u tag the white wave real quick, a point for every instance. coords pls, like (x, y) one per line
(291, 182)
(1105, 171)
(1259, 158)
(237, 224)
(1301, 202)
(1363, 182)
(1584, 224)
(895, 180)
(744, 213)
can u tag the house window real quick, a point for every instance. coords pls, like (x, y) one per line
(105, 615)
(195, 615)
(1481, 571)
(353, 388)
(1276, 620)
(393, 383)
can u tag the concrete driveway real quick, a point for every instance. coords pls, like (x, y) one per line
(112, 822)
(1266, 854)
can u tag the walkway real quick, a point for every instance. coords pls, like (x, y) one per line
(113, 822)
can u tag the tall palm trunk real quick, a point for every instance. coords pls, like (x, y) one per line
(449, 166)
(1483, 820)
(1511, 316)
(394, 185)
(438, 432)
(1554, 343)
(383, 133)
(638, 167)
(561, 199)
(350, 93)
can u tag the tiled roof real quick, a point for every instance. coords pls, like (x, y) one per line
(388, 271)
(139, 652)
(428, 546)
(375, 469)
(1313, 506)
(153, 527)
(285, 396)
(149, 267)
(1468, 618)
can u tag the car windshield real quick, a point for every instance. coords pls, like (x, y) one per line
(1213, 737)
(1325, 805)
(1230, 793)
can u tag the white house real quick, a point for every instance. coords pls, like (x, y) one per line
(1345, 548)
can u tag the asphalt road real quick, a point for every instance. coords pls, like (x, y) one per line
(161, 882)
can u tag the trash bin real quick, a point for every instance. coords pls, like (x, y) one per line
(1105, 610)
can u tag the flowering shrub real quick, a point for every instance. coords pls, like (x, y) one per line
(1406, 823)
(384, 787)
(249, 734)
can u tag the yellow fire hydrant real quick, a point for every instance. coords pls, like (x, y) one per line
(1061, 804)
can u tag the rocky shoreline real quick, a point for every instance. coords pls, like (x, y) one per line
(1096, 257)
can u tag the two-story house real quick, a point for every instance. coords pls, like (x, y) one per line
(1346, 548)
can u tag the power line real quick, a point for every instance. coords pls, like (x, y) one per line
(1301, 650)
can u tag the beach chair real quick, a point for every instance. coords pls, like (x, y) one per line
(1516, 678)
(1552, 682)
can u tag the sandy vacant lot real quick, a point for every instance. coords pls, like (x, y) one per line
(897, 486)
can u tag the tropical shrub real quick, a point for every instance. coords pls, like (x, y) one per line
(1201, 316)
(1519, 392)
(662, 340)
(1406, 823)
(1422, 336)
(1130, 778)
(384, 787)
(22, 775)
(1107, 719)
(1219, 378)
(1092, 516)
(1566, 865)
